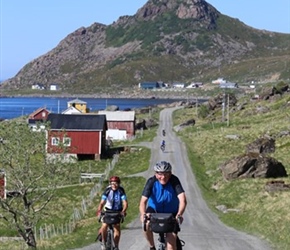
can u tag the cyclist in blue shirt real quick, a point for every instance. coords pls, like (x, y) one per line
(163, 193)
(113, 198)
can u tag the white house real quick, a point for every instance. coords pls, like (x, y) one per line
(71, 110)
(54, 87)
(178, 85)
(219, 81)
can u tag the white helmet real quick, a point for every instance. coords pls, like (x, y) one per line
(162, 166)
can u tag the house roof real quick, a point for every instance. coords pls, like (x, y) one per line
(77, 122)
(39, 110)
(71, 110)
(118, 115)
(77, 101)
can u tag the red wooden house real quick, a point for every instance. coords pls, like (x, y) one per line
(38, 116)
(79, 135)
(2, 184)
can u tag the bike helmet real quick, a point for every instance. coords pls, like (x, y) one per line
(162, 166)
(115, 179)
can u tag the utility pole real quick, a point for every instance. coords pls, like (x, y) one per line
(223, 107)
(228, 111)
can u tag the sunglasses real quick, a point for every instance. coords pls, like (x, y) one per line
(163, 173)
(114, 183)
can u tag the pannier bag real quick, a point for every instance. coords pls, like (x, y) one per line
(112, 218)
(162, 223)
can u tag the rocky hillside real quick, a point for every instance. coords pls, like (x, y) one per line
(166, 40)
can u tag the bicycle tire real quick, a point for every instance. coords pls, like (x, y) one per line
(109, 245)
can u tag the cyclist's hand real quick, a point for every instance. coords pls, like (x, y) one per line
(179, 219)
(123, 214)
(144, 217)
(98, 214)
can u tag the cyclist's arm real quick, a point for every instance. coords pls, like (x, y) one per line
(182, 204)
(101, 205)
(125, 206)
(142, 207)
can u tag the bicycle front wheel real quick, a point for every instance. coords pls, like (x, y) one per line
(110, 240)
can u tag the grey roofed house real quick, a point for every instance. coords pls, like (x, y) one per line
(77, 122)
(76, 101)
(118, 115)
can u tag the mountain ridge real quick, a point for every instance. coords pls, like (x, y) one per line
(167, 40)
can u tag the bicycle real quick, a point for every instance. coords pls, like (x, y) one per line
(162, 147)
(111, 218)
(163, 223)
(163, 132)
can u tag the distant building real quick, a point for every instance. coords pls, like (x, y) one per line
(71, 110)
(37, 119)
(178, 85)
(80, 136)
(2, 184)
(229, 85)
(194, 85)
(78, 104)
(54, 87)
(149, 85)
(121, 124)
(219, 81)
(38, 86)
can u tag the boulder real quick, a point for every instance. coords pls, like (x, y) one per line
(263, 145)
(217, 101)
(252, 166)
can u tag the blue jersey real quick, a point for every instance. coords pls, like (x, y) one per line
(114, 198)
(163, 198)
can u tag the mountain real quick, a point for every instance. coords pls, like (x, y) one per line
(166, 40)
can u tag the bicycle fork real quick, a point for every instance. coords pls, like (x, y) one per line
(161, 241)
(110, 239)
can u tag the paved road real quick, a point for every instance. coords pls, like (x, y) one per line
(201, 230)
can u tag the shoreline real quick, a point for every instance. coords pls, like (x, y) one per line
(140, 94)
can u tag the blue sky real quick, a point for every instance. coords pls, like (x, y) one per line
(31, 28)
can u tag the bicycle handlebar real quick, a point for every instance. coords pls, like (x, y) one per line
(103, 213)
(147, 218)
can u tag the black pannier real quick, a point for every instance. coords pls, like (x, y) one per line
(112, 218)
(162, 223)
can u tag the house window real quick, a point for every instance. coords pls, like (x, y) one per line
(66, 141)
(55, 141)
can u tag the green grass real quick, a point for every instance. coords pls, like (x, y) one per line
(260, 213)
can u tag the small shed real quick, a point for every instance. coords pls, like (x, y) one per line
(81, 136)
(121, 124)
(228, 85)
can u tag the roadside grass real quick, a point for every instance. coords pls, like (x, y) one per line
(60, 209)
(255, 210)
(130, 163)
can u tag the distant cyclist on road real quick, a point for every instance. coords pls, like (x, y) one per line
(163, 193)
(114, 199)
(163, 132)
(162, 146)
